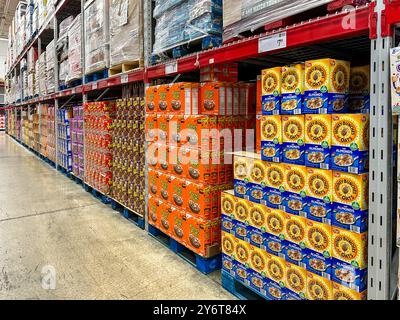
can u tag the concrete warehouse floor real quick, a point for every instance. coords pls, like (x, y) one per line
(50, 224)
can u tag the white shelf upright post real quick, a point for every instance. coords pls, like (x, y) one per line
(381, 193)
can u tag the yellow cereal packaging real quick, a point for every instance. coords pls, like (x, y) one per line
(293, 134)
(350, 260)
(271, 81)
(343, 293)
(271, 138)
(318, 141)
(295, 178)
(296, 280)
(292, 89)
(318, 288)
(274, 186)
(350, 143)
(326, 86)
(295, 235)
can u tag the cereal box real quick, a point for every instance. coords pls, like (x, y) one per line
(242, 252)
(296, 280)
(319, 189)
(319, 248)
(257, 225)
(359, 101)
(350, 260)
(228, 224)
(292, 89)
(155, 205)
(228, 249)
(151, 127)
(292, 296)
(151, 99)
(343, 293)
(318, 288)
(257, 282)
(274, 187)
(274, 290)
(257, 181)
(177, 225)
(153, 182)
(258, 96)
(213, 98)
(318, 141)
(293, 134)
(275, 228)
(350, 201)
(258, 260)
(295, 236)
(162, 98)
(179, 192)
(228, 203)
(294, 184)
(276, 269)
(242, 273)
(184, 98)
(271, 138)
(350, 143)
(241, 216)
(165, 217)
(162, 126)
(271, 80)
(326, 86)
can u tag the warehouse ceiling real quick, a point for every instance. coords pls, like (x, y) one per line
(7, 9)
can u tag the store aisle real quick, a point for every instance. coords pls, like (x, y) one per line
(49, 225)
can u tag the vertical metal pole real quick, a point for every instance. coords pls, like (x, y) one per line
(83, 62)
(381, 168)
(56, 78)
(55, 130)
(84, 100)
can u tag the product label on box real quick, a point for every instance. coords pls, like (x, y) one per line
(295, 204)
(360, 104)
(274, 291)
(293, 153)
(318, 263)
(347, 160)
(242, 273)
(317, 102)
(271, 105)
(271, 151)
(256, 193)
(291, 103)
(317, 156)
(274, 198)
(241, 231)
(241, 189)
(347, 218)
(228, 264)
(257, 282)
(319, 210)
(257, 237)
(349, 276)
(228, 224)
(290, 295)
(295, 254)
(275, 245)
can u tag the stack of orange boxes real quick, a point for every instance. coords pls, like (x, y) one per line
(188, 127)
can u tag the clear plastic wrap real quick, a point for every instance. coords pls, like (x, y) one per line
(42, 74)
(64, 27)
(185, 21)
(74, 50)
(50, 64)
(32, 58)
(248, 15)
(126, 31)
(96, 35)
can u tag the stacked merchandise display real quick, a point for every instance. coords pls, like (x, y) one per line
(129, 154)
(41, 87)
(77, 141)
(74, 50)
(24, 127)
(36, 131)
(31, 65)
(126, 31)
(51, 134)
(187, 124)
(98, 120)
(2, 121)
(50, 65)
(248, 15)
(295, 226)
(96, 35)
(44, 130)
(62, 51)
(64, 148)
(180, 22)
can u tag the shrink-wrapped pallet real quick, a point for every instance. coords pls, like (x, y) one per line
(248, 15)
(96, 35)
(126, 31)
(181, 22)
(32, 58)
(74, 50)
(50, 65)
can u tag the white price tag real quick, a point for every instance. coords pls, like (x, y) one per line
(94, 86)
(171, 67)
(272, 42)
(73, 91)
(124, 78)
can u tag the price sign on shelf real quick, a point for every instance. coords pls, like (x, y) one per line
(94, 86)
(171, 67)
(124, 78)
(272, 42)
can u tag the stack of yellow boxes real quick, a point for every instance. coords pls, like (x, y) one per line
(295, 225)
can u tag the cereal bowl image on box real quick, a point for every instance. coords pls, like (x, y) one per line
(271, 80)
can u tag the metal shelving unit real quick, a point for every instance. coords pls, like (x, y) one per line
(371, 36)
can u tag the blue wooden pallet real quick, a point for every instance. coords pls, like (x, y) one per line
(76, 179)
(204, 265)
(98, 75)
(64, 171)
(97, 194)
(51, 163)
(74, 83)
(128, 214)
(238, 288)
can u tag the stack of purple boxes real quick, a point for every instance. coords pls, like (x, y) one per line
(77, 142)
